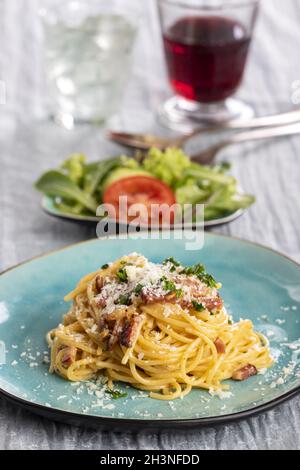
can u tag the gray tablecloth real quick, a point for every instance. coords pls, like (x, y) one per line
(31, 144)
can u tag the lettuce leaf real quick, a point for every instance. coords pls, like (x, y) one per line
(55, 184)
(167, 166)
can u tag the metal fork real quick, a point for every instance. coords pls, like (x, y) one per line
(207, 156)
(146, 141)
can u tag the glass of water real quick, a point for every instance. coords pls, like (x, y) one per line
(88, 54)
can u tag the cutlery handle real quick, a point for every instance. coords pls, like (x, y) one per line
(208, 155)
(265, 133)
(280, 119)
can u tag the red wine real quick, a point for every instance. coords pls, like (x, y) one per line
(206, 57)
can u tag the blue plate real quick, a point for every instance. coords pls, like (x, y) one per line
(258, 284)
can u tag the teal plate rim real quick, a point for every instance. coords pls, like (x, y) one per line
(113, 424)
(132, 424)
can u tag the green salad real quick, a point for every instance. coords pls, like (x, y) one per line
(78, 187)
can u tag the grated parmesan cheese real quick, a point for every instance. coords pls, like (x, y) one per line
(149, 277)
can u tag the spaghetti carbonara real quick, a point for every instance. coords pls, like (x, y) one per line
(158, 327)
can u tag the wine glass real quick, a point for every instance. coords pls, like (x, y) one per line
(206, 49)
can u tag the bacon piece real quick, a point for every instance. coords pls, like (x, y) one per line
(69, 356)
(114, 323)
(99, 283)
(103, 328)
(130, 331)
(244, 373)
(115, 334)
(208, 296)
(220, 346)
(152, 297)
(212, 303)
(120, 326)
(101, 303)
(199, 292)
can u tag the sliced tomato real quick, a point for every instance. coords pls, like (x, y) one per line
(153, 197)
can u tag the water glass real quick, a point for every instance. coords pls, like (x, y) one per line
(88, 54)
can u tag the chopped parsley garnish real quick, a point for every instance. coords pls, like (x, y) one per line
(105, 266)
(198, 306)
(208, 280)
(167, 284)
(179, 293)
(198, 270)
(116, 394)
(124, 299)
(170, 286)
(172, 261)
(122, 275)
(138, 288)
(195, 270)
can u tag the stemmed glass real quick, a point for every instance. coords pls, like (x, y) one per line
(206, 48)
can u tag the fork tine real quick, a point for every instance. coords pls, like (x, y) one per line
(207, 156)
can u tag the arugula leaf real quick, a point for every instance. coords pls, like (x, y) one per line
(56, 184)
(95, 173)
